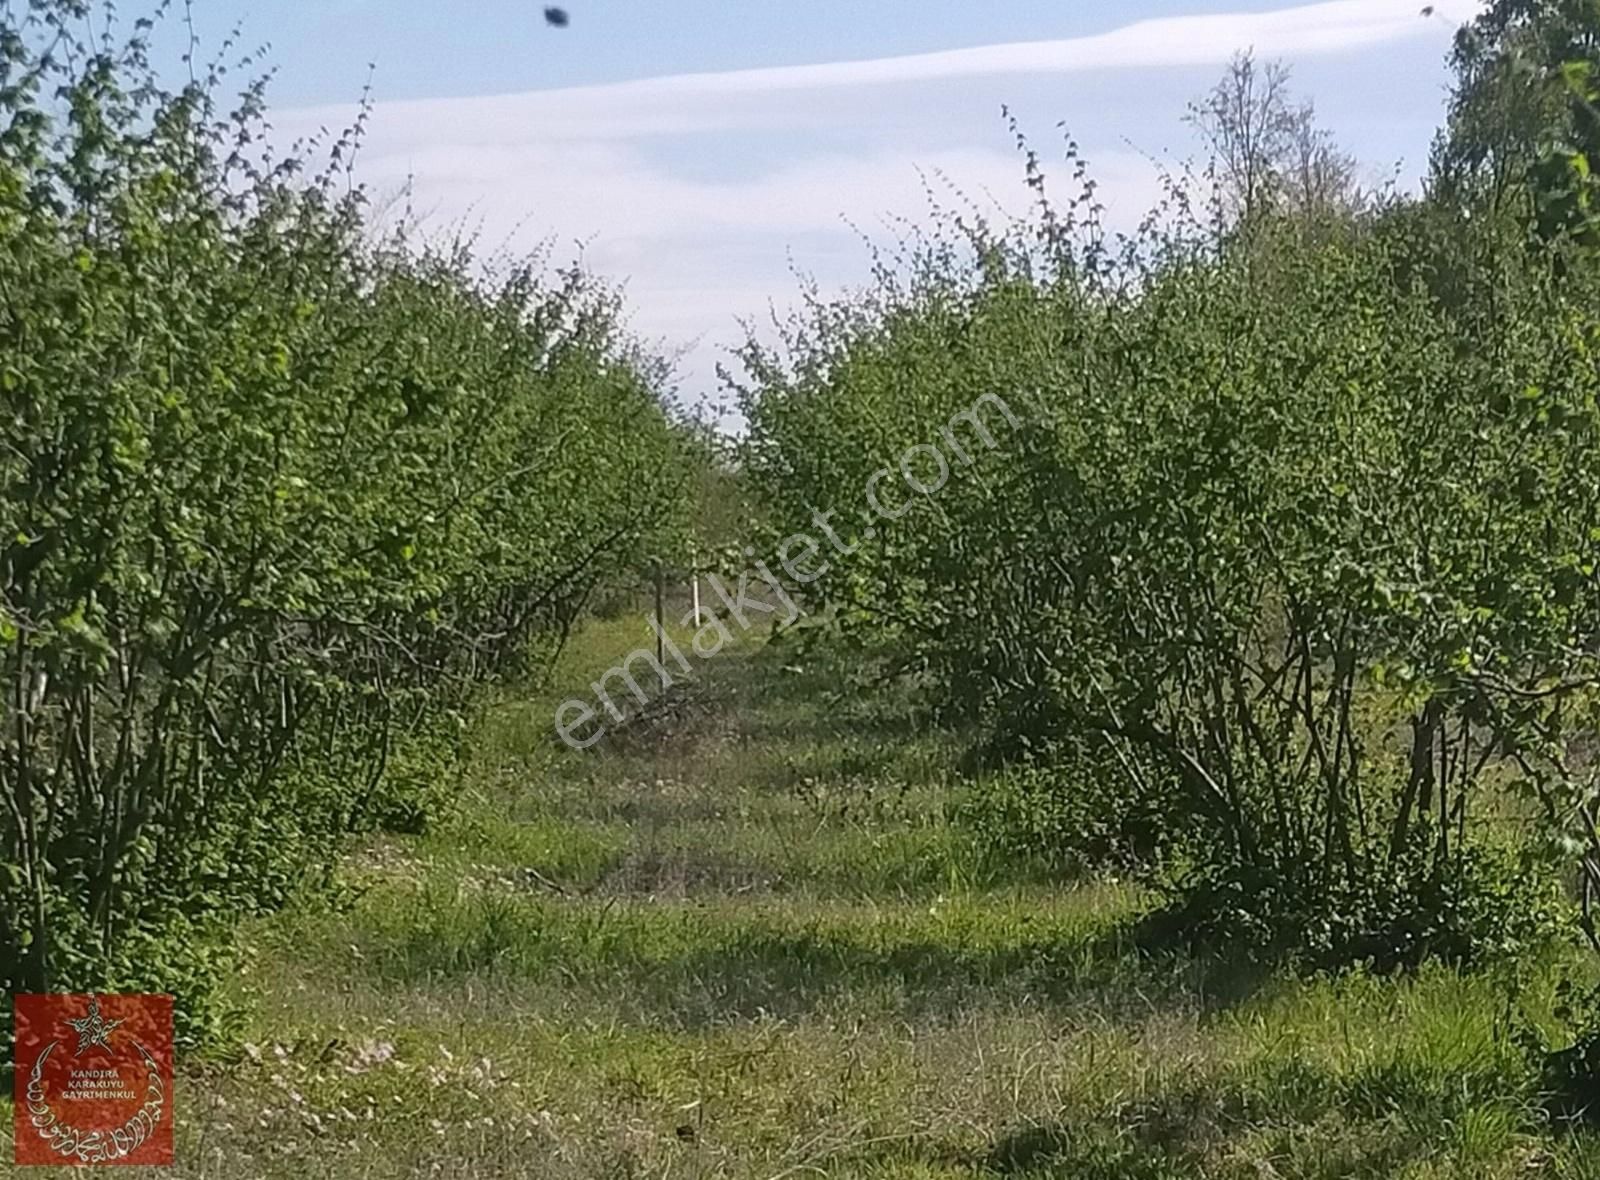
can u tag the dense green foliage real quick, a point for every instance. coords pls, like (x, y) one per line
(1259, 552)
(1295, 540)
(1524, 129)
(1264, 570)
(275, 494)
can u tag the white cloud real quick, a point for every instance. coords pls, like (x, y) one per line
(624, 167)
(694, 102)
(606, 191)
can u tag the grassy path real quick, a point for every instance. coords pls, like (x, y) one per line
(746, 943)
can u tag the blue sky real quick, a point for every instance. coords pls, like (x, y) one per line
(698, 150)
(424, 50)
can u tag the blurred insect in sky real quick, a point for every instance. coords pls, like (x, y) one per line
(556, 17)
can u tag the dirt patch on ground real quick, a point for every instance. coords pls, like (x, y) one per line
(685, 717)
(677, 873)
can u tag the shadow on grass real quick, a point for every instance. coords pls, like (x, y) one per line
(791, 692)
(1124, 1150)
(793, 974)
(1088, 1152)
(685, 968)
(1571, 1085)
(1309, 1121)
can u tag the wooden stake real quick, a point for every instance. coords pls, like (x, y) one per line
(661, 622)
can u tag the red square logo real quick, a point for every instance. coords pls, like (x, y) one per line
(93, 1079)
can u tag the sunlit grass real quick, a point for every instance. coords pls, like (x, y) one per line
(729, 955)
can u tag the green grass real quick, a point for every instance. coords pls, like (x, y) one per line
(747, 943)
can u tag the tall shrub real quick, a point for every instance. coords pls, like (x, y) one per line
(1297, 541)
(276, 495)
